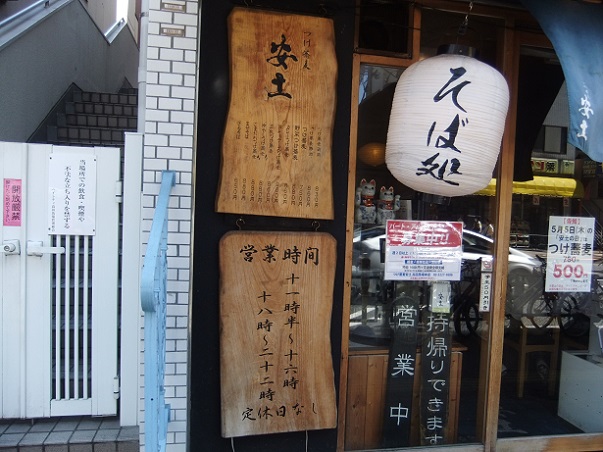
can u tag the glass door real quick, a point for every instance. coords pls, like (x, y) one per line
(553, 355)
(418, 349)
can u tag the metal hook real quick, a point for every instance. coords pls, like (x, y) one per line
(240, 223)
(316, 225)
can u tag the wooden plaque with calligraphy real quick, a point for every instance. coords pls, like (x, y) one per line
(276, 148)
(276, 296)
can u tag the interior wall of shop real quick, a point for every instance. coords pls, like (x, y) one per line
(209, 226)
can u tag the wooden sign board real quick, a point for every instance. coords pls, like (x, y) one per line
(276, 296)
(276, 149)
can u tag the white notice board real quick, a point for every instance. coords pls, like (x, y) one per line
(71, 194)
(569, 254)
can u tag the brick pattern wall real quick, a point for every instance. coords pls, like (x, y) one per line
(168, 145)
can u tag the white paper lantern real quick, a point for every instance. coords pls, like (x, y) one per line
(446, 125)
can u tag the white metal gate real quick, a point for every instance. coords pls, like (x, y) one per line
(59, 291)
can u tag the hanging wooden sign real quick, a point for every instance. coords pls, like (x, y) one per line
(276, 296)
(401, 369)
(276, 149)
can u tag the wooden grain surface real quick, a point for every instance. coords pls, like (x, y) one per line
(275, 315)
(367, 374)
(276, 148)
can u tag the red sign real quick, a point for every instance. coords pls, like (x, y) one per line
(12, 204)
(424, 233)
(423, 250)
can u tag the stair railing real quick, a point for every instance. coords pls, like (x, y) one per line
(22, 12)
(153, 299)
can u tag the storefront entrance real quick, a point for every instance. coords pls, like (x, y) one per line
(474, 345)
(502, 360)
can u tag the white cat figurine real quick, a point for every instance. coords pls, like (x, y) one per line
(388, 205)
(366, 211)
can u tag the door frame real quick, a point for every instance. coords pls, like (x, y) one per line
(491, 352)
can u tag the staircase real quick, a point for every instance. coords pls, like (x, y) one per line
(98, 119)
(79, 118)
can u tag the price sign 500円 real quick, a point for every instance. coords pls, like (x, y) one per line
(569, 254)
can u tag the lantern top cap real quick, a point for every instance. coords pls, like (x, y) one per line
(457, 49)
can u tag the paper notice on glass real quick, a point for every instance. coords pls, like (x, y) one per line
(423, 250)
(440, 297)
(569, 257)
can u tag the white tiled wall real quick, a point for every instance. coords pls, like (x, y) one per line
(168, 145)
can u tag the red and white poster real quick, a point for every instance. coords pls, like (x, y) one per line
(423, 250)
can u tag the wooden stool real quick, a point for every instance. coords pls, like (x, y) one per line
(526, 342)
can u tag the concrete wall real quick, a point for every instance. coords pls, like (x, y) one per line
(132, 19)
(103, 13)
(38, 66)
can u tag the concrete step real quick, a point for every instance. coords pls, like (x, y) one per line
(73, 135)
(97, 121)
(105, 98)
(67, 434)
(92, 118)
(90, 108)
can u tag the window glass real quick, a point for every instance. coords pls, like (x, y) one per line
(553, 140)
(416, 373)
(383, 26)
(417, 368)
(381, 411)
(552, 359)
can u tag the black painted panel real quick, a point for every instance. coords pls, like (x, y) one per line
(210, 226)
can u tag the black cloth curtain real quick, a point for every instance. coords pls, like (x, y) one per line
(539, 84)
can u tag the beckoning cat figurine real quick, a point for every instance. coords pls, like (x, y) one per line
(387, 205)
(366, 211)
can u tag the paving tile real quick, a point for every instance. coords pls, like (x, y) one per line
(128, 446)
(66, 424)
(68, 434)
(4, 426)
(89, 424)
(110, 422)
(80, 447)
(56, 448)
(104, 435)
(19, 427)
(105, 447)
(11, 439)
(43, 426)
(82, 436)
(37, 448)
(33, 439)
(58, 437)
(128, 434)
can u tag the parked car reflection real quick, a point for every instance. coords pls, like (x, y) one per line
(525, 295)
(370, 244)
(371, 294)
